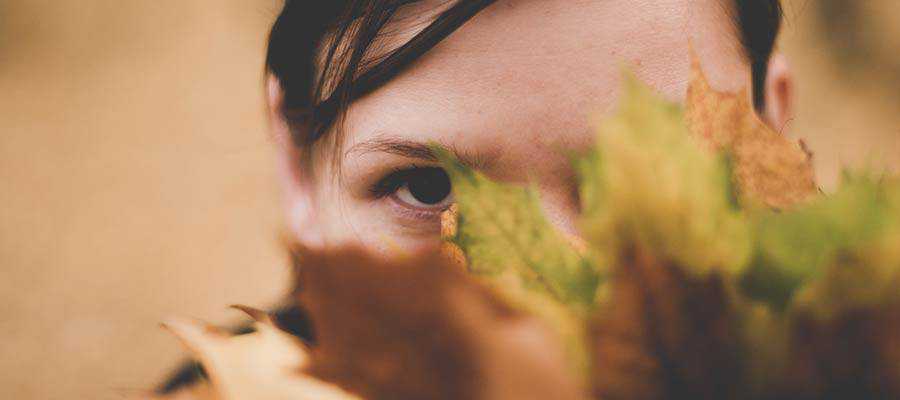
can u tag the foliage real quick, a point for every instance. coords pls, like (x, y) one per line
(711, 267)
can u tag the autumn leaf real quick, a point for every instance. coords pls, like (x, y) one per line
(663, 210)
(647, 182)
(854, 354)
(419, 328)
(768, 167)
(264, 365)
(711, 267)
(502, 226)
(665, 334)
(506, 240)
(839, 252)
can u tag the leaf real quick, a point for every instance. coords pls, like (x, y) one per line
(854, 355)
(263, 365)
(505, 238)
(768, 167)
(860, 262)
(666, 210)
(648, 183)
(841, 250)
(502, 226)
(665, 334)
(684, 288)
(846, 314)
(418, 328)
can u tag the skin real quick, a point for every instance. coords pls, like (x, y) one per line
(512, 92)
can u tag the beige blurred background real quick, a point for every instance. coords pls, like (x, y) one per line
(136, 178)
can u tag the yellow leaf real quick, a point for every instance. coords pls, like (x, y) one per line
(768, 167)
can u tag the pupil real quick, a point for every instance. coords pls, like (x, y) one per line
(430, 185)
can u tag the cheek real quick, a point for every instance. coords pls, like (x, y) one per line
(378, 225)
(560, 205)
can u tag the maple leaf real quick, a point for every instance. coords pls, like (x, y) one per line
(421, 328)
(854, 354)
(648, 182)
(840, 252)
(663, 211)
(505, 238)
(502, 226)
(685, 287)
(768, 167)
(262, 365)
(665, 334)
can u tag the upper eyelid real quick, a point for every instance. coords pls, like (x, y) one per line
(396, 174)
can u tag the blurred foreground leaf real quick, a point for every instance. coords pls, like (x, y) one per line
(263, 365)
(502, 226)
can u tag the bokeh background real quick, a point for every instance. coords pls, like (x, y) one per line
(137, 181)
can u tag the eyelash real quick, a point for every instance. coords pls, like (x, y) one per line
(393, 181)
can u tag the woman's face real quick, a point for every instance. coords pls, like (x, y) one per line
(512, 92)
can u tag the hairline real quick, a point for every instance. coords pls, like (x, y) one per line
(756, 53)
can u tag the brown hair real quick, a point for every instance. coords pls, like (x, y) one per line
(337, 34)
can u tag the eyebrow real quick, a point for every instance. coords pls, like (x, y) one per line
(416, 150)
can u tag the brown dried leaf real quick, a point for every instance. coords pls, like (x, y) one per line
(264, 365)
(853, 356)
(768, 167)
(665, 334)
(410, 329)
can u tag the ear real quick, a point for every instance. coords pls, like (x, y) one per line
(779, 93)
(298, 193)
(280, 133)
(274, 101)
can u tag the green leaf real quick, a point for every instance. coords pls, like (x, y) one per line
(838, 251)
(503, 226)
(648, 182)
(506, 238)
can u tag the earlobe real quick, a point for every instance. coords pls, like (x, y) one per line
(779, 93)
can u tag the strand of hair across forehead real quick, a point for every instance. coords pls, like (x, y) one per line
(351, 87)
(362, 21)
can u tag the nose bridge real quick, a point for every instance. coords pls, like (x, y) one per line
(559, 203)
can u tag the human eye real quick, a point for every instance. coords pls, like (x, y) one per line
(418, 192)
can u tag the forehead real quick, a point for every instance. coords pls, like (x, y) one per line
(531, 72)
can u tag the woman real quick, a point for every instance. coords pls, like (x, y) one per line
(361, 88)
(358, 89)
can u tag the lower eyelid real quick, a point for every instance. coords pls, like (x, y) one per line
(431, 217)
